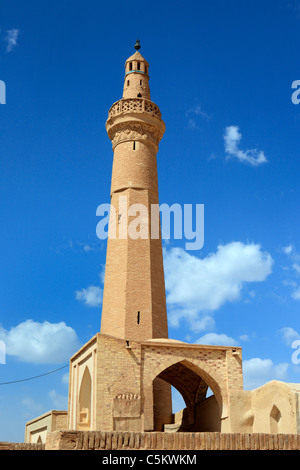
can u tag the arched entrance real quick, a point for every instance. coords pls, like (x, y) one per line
(201, 413)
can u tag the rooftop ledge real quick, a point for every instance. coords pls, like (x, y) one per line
(157, 342)
(175, 343)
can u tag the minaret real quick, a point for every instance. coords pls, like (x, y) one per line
(134, 300)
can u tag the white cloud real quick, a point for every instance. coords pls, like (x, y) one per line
(192, 114)
(259, 371)
(244, 338)
(60, 402)
(217, 340)
(32, 405)
(294, 257)
(102, 274)
(296, 267)
(232, 140)
(92, 245)
(203, 323)
(65, 378)
(198, 286)
(91, 296)
(289, 335)
(296, 294)
(2, 352)
(40, 343)
(287, 249)
(12, 39)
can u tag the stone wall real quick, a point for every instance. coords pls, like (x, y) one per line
(21, 446)
(97, 440)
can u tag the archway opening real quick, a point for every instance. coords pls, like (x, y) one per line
(178, 403)
(199, 395)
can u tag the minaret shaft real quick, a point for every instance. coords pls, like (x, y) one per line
(134, 299)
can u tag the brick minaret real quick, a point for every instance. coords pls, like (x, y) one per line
(134, 300)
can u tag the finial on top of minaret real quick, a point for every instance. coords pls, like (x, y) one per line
(137, 45)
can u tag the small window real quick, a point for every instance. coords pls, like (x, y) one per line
(275, 417)
(139, 95)
(141, 82)
(139, 66)
(130, 66)
(138, 318)
(127, 82)
(133, 145)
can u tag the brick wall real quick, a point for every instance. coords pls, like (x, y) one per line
(97, 440)
(21, 446)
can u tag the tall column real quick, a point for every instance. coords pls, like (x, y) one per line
(134, 299)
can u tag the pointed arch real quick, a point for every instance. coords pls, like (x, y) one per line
(85, 400)
(192, 378)
(201, 369)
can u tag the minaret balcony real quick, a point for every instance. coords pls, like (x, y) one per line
(134, 105)
(135, 119)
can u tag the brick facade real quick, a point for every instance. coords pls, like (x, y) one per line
(124, 373)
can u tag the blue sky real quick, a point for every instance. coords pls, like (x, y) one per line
(221, 73)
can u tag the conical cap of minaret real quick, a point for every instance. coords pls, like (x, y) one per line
(136, 82)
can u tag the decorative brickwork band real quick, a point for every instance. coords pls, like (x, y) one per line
(137, 105)
(129, 131)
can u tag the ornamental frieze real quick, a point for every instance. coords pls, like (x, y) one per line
(128, 131)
